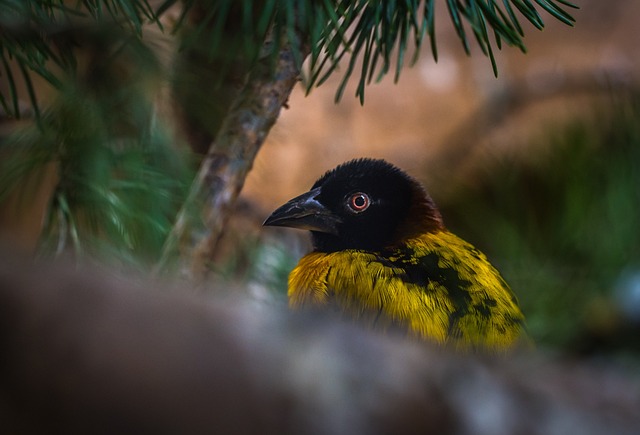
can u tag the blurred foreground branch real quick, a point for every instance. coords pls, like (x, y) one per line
(86, 353)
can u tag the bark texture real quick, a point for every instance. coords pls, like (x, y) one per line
(228, 161)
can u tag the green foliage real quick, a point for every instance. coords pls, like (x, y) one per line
(40, 35)
(121, 181)
(379, 30)
(371, 33)
(563, 225)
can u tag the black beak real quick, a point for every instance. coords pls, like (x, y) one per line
(306, 213)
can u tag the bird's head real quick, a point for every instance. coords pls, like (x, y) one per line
(362, 204)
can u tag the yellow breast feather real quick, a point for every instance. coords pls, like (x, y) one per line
(436, 285)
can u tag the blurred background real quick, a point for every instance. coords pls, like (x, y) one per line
(539, 168)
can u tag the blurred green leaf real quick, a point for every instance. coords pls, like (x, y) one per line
(39, 35)
(121, 179)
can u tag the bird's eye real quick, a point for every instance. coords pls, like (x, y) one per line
(358, 202)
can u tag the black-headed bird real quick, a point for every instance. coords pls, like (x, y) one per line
(382, 255)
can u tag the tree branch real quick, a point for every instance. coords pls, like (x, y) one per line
(230, 157)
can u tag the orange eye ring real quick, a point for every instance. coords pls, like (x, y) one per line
(358, 202)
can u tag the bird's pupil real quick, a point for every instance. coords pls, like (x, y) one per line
(359, 201)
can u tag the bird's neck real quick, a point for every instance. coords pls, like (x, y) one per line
(423, 216)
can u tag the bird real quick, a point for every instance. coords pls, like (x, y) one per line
(382, 256)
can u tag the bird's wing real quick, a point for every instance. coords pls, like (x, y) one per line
(481, 306)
